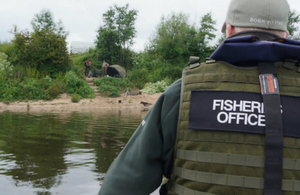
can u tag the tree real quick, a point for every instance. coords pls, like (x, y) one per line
(5, 66)
(293, 25)
(6, 47)
(107, 48)
(42, 21)
(44, 49)
(116, 35)
(172, 38)
(206, 34)
(169, 50)
(176, 40)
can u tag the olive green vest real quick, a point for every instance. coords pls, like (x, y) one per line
(215, 162)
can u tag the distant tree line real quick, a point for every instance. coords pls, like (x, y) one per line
(39, 58)
(168, 51)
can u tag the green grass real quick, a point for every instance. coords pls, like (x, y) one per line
(112, 87)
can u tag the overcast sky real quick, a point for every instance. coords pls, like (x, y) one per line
(82, 18)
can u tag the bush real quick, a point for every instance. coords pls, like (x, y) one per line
(122, 83)
(157, 87)
(55, 89)
(143, 63)
(6, 47)
(139, 77)
(35, 88)
(31, 73)
(32, 89)
(86, 91)
(74, 84)
(110, 91)
(6, 68)
(47, 81)
(55, 86)
(44, 49)
(28, 89)
(167, 72)
(150, 67)
(8, 89)
(75, 98)
(112, 87)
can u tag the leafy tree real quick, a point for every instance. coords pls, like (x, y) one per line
(116, 35)
(42, 21)
(107, 46)
(176, 40)
(44, 49)
(206, 34)
(45, 21)
(6, 47)
(5, 66)
(172, 38)
(293, 25)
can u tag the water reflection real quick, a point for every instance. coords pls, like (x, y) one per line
(60, 153)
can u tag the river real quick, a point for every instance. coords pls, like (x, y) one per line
(60, 153)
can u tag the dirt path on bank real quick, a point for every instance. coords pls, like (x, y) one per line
(98, 104)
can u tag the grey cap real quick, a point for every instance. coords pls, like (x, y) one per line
(268, 14)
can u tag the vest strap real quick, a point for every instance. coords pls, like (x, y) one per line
(233, 159)
(238, 138)
(273, 129)
(232, 180)
(179, 189)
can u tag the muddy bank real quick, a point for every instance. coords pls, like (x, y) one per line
(63, 104)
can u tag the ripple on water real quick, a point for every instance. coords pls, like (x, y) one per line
(59, 153)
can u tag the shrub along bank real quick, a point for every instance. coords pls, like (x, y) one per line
(43, 88)
(112, 87)
(30, 88)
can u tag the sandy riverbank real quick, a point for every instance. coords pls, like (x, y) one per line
(98, 104)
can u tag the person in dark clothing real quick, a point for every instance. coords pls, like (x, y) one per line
(88, 67)
(104, 68)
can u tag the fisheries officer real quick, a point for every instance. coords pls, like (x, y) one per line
(214, 131)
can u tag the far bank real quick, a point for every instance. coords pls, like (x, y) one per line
(140, 103)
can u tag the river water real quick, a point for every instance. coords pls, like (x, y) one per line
(60, 153)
